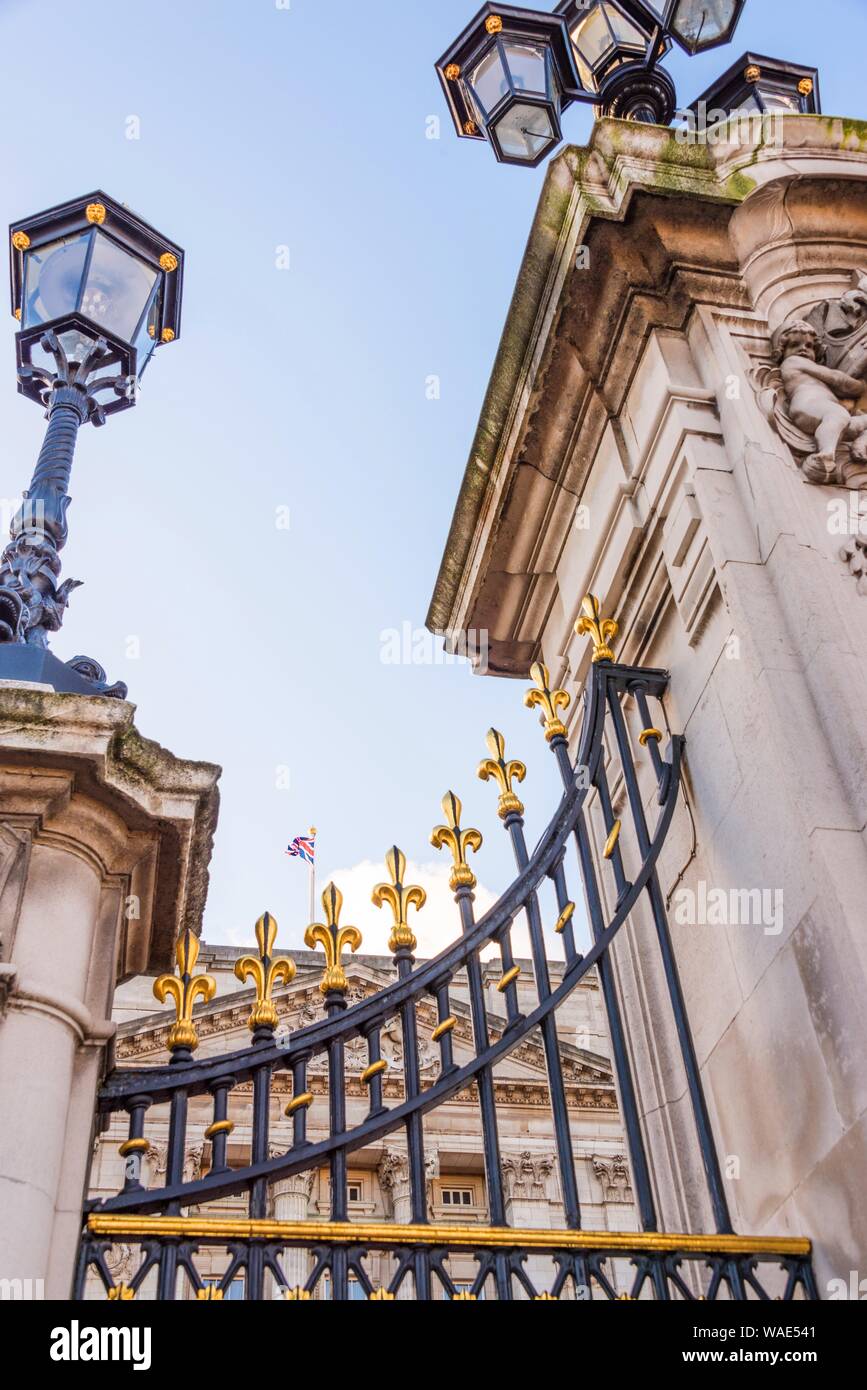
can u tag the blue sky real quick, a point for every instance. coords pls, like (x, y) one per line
(260, 647)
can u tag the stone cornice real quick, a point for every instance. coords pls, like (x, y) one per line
(541, 361)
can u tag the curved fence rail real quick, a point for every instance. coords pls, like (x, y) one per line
(581, 1264)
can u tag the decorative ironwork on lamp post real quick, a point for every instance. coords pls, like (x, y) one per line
(513, 71)
(95, 291)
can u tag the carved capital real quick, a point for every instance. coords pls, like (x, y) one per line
(526, 1175)
(393, 1173)
(612, 1171)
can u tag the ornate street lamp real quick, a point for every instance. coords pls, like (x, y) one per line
(701, 24)
(513, 71)
(505, 79)
(759, 84)
(96, 291)
(617, 46)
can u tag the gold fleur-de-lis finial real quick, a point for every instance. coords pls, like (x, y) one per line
(185, 988)
(400, 898)
(333, 939)
(548, 700)
(265, 971)
(458, 841)
(602, 630)
(503, 773)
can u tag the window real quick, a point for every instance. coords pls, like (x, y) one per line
(465, 1286)
(457, 1196)
(233, 1294)
(354, 1192)
(356, 1290)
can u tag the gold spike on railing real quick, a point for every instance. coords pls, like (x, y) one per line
(602, 630)
(548, 700)
(184, 988)
(333, 939)
(458, 841)
(265, 971)
(504, 774)
(400, 897)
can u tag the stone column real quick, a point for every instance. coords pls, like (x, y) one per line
(291, 1199)
(105, 840)
(393, 1175)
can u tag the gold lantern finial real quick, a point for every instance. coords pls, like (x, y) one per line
(602, 630)
(400, 897)
(504, 773)
(458, 841)
(333, 939)
(548, 700)
(184, 989)
(265, 971)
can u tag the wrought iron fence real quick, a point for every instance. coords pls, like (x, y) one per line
(662, 1265)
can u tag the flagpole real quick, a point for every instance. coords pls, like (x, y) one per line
(312, 916)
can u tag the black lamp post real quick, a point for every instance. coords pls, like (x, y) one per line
(513, 71)
(96, 291)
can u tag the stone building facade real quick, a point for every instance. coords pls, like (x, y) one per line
(677, 423)
(379, 1175)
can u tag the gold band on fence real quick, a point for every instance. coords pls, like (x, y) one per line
(381, 1233)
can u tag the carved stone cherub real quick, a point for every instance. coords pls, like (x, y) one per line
(821, 400)
(813, 391)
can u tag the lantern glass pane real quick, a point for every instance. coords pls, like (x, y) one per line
(489, 81)
(148, 334)
(526, 67)
(775, 100)
(525, 131)
(625, 31)
(52, 278)
(592, 37)
(76, 344)
(700, 23)
(117, 288)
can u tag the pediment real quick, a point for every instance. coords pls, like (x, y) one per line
(222, 1028)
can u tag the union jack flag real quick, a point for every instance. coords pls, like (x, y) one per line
(303, 847)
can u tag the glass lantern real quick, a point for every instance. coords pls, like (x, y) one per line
(701, 24)
(506, 79)
(605, 36)
(92, 270)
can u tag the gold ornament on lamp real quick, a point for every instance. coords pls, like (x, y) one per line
(548, 700)
(602, 630)
(333, 939)
(503, 773)
(494, 24)
(265, 971)
(20, 240)
(458, 841)
(95, 212)
(168, 261)
(400, 897)
(184, 988)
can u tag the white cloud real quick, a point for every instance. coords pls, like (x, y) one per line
(436, 926)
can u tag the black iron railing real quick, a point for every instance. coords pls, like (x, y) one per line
(663, 1265)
